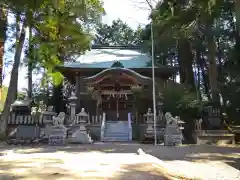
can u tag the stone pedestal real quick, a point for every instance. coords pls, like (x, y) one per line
(172, 135)
(58, 132)
(81, 135)
(173, 131)
(58, 135)
(47, 118)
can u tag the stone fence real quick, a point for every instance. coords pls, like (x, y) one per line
(41, 118)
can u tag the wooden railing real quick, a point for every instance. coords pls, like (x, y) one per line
(141, 119)
(93, 119)
(25, 119)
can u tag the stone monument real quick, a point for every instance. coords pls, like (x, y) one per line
(58, 133)
(81, 135)
(173, 132)
(212, 119)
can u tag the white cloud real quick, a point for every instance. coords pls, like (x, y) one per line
(133, 12)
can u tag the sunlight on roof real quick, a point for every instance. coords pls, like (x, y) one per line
(104, 58)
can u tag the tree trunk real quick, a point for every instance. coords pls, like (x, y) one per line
(18, 20)
(186, 62)
(237, 34)
(212, 65)
(30, 62)
(3, 29)
(11, 95)
(198, 59)
(237, 12)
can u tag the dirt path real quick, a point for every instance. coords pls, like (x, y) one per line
(119, 161)
(88, 165)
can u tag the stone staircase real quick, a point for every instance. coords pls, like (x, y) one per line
(116, 131)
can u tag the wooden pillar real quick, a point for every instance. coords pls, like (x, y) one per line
(82, 90)
(77, 92)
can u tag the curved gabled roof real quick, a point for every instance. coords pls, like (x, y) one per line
(118, 72)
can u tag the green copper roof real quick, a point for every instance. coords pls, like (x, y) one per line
(104, 58)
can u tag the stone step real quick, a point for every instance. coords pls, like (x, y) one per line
(109, 121)
(120, 139)
(116, 134)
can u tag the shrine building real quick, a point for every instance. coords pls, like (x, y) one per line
(106, 80)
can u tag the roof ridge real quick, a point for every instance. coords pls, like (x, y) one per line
(127, 47)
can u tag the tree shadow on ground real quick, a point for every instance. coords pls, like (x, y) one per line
(50, 168)
(229, 155)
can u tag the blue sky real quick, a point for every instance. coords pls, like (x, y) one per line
(133, 12)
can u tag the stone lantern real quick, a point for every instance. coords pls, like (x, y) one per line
(81, 135)
(149, 133)
(72, 104)
(82, 119)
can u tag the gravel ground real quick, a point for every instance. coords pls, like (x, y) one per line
(119, 161)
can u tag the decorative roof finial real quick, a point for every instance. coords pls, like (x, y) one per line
(117, 64)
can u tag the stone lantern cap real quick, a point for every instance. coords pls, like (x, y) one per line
(21, 103)
(82, 113)
(73, 96)
(149, 112)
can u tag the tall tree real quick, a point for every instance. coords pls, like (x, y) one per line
(60, 33)
(119, 33)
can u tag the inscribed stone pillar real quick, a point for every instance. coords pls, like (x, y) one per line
(72, 104)
(160, 104)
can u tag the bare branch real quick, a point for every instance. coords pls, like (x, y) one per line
(149, 4)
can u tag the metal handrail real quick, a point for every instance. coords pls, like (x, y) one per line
(130, 126)
(103, 126)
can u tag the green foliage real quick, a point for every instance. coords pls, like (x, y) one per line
(182, 102)
(3, 96)
(60, 30)
(60, 37)
(211, 28)
(119, 33)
